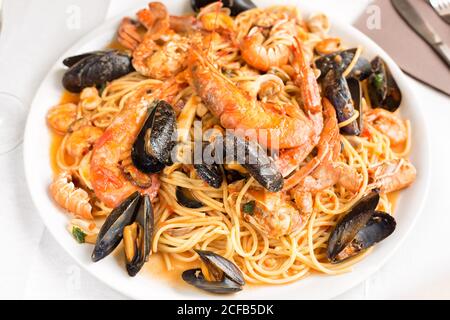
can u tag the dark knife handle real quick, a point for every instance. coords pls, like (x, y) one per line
(444, 52)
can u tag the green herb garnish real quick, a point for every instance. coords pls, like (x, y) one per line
(78, 234)
(378, 80)
(249, 207)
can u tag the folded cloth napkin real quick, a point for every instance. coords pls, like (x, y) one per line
(410, 51)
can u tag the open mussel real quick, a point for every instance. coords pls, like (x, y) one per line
(337, 91)
(132, 221)
(360, 229)
(95, 69)
(187, 199)
(111, 232)
(236, 6)
(251, 156)
(138, 236)
(383, 89)
(153, 146)
(216, 275)
(340, 62)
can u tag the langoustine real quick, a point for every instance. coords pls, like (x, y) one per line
(392, 175)
(73, 199)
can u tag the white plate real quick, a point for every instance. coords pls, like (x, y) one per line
(145, 286)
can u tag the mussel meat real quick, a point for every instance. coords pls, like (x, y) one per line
(236, 6)
(383, 89)
(340, 61)
(360, 229)
(187, 199)
(252, 157)
(154, 143)
(111, 232)
(138, 236)
(337, 91)
(216, 275)
(95, 69)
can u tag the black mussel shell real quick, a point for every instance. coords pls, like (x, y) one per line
(95, 69)
(252, 157)
(160, 129)
(380, 226)
(141, 160)
(236, 6)
(153, 146)
(195, 277)
(186, 199)
(361, 70)
(215, 261)
(337, 91)
(340, 61)
(145, 222)
(210, 173)
(228, 277)
(111, 232)
(70, 61)
(383, 90)
(356, 93)
(361, 228)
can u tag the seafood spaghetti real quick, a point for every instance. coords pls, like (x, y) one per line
(246, 141)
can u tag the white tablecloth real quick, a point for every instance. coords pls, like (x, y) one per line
(35, 266)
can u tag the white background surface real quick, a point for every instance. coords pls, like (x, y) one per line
(36, 32)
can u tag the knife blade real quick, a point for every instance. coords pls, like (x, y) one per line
(422, 28)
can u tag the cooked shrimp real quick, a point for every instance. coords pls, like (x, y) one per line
(312, 105)
(392, 175)
(108, 180)
(155, 19)
(60, 117)
(80, 142)
(389, 124)
(262, 53)
(236, 109)
(318, 23)
(161, 61)
(328, 149)
(328, 46)
(165, 58)
(324, 170)
(73, 199)
(271, 213)
(90, 99)
(216, 21)
(128, 34)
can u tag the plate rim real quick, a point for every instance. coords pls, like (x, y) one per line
(348, 28)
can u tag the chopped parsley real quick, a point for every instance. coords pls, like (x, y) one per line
(78, 234)
(378, 80)
(249, 207)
